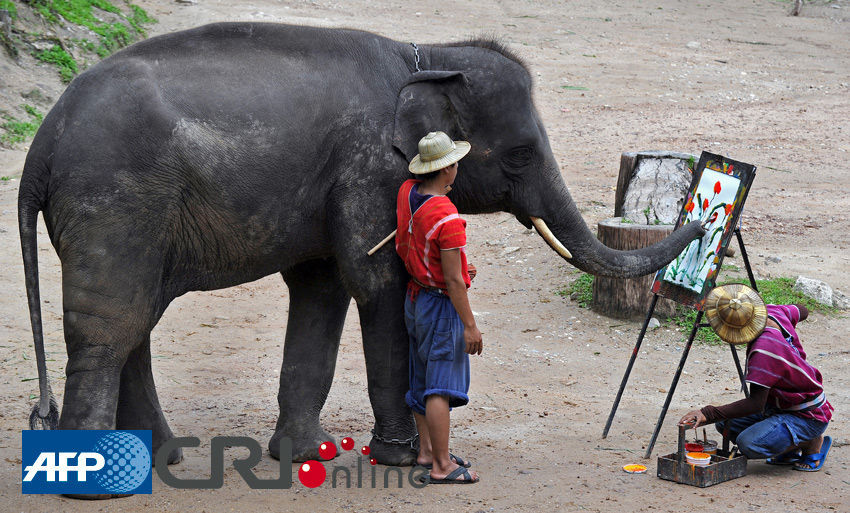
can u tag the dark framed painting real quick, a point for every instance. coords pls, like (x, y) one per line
(717, 194)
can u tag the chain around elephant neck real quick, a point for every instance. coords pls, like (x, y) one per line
(396, 441)
(415, 55)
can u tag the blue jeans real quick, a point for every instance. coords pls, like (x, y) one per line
(769, 434)
(439, 364)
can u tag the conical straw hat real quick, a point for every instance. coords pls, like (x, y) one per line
(736, 313)
(436, 151)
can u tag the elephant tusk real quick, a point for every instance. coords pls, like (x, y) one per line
(550, 238)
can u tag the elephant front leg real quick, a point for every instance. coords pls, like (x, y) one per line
(386, 346)
(317, 307)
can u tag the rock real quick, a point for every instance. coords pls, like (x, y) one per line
(654, 323)
(815, 289)
(840, 300)
(773, 259)
(510, 249)
(186, 2)
(693, 44)
(657, 191)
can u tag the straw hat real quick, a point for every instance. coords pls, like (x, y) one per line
(436, 151)
(736, 313)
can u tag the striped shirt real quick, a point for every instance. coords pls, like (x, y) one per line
(776, 360)
(433, 227)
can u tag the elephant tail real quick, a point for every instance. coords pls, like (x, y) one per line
(32, 197)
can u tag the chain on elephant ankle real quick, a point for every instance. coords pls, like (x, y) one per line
(396, 441)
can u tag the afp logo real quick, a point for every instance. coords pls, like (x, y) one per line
(73, 461)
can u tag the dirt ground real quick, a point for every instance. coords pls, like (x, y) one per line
(739, 78)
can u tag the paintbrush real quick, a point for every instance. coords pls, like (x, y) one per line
(732, 454)
(704, 435)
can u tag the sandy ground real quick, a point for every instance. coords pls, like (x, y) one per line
(740, 78)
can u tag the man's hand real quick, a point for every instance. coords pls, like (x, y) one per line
(472, 337)
(693, 419)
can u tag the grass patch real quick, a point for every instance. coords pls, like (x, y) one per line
(112, 36)
(63, 61)
(580, 290)
(10, 6)
(778, 291)
(17, 130)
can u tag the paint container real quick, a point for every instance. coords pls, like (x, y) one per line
(709, 447)
(635, 468)
(700, 459)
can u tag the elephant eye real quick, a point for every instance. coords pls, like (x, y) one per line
(519, 157)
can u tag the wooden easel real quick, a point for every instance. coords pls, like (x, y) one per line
(697, 324)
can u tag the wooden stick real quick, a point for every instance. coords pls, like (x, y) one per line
(390, 236)
(732, 454)
(381, 244)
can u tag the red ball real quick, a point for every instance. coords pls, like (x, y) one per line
(365, 450)
(327, 451)
(347, 443)
(373, 461)
(312, 474)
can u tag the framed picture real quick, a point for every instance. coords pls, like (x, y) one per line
(717, 194)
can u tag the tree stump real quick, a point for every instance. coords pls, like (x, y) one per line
(629, 298)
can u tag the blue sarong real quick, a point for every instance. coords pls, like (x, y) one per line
(439, 364)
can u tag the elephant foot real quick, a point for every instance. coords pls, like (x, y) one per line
(160, 433)
(95, 496)
(174, 457)
(305, 445)
(392, 454)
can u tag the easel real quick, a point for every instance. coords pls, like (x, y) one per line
(696, 326)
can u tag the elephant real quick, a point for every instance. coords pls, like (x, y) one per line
(210, 157)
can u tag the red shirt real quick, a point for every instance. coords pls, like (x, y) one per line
(435, 226)
(776, 360)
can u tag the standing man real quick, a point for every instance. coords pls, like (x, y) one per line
(431, 239)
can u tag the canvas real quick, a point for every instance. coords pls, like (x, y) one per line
(713, 202)
(716, 196)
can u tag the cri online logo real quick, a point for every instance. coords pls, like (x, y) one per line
(313, 473)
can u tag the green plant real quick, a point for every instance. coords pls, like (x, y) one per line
(581, 289)
(5, 178)
(10, 6)
(61, 59)
(18, 131)
(111, 36)
(777, 291)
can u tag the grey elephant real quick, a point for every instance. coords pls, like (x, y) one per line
(215, 156)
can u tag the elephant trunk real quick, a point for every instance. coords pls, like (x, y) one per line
(564, 229)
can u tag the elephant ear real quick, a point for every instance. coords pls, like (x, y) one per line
(426, 103)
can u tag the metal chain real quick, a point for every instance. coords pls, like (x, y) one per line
(396, 441)
(416, 55)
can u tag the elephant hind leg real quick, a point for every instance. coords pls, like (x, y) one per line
(108, 313)
(138, 405)
(318, 304)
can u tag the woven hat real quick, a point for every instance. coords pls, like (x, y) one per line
(436, 151)
(736, 313)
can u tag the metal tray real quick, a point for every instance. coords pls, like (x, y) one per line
(674, 467)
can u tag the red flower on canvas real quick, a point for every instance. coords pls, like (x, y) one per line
(717, 188)
(705, 204)
(729, 208)
(690, 206)
(713, 217)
